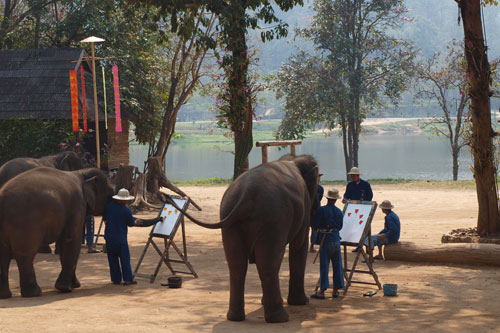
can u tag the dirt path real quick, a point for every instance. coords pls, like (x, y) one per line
(431, 297)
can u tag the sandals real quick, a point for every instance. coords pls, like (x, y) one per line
(127, 283)
(335, 294)
(316, 296)
(378, 257)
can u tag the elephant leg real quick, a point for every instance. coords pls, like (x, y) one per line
(237, 261)
(268, 260)
(297, 262)
(69, 252)
(4, 272)
(29, 286)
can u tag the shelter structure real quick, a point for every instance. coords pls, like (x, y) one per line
(34, 84)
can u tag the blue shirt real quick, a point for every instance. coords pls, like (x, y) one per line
(329, 217)
(392, 227)
(361, 191)
(118, 217)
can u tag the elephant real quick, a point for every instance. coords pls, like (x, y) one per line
(262, 211)
(66, 160)
(41, 206)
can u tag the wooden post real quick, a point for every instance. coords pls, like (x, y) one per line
(264, 154)
(96, 115)
(292, 150)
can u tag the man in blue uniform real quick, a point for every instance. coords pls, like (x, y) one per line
(357, 189)
(118, 217)
(390, 233)
(314, 234)
(328, 223)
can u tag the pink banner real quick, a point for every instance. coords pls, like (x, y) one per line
(117, 99)
(84, 101)
(73, 83)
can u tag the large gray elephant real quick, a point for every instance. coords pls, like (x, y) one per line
(261, 212)
(41, 206)
(66, 160)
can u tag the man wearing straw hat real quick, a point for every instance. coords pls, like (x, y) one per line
(390, 233)
(357, 189)
(118, 217)
(328, 223)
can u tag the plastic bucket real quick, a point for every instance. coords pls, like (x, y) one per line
(174, 282)
(390, 289)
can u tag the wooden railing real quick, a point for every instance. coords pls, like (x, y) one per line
(283, 143)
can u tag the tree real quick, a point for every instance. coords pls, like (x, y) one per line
(478, 72)
(445, 81)
(356, 54)
(234, 17)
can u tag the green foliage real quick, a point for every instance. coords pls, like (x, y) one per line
(34, 137)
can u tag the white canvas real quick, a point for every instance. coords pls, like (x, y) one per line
(172, 214)
(355, 218)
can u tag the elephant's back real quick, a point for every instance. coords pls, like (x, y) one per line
(15, 167)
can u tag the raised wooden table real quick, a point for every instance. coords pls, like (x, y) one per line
(282, 143)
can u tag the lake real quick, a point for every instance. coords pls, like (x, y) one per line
(381, 156)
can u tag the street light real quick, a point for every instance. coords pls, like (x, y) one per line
(93, 40)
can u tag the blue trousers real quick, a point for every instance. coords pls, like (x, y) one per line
(88, 231)
(121, 252)
(331, 251)
(314, 237)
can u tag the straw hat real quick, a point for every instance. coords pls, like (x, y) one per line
(333, 194)
(123, 194)
(354, 171)
(386, 204)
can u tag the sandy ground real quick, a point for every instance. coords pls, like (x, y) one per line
(431, 297)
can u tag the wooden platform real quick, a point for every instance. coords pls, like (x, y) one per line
(465, 254)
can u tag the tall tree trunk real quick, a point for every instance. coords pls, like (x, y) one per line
(347, 161)
(481, 143)
(455, 152)
(238, 88)
(37, 32)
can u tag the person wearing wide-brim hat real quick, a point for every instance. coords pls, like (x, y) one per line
(328, 223)
(391, 232)
(118, 217)
(319, 197)
(357, 189)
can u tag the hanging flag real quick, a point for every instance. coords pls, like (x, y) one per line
(117, 99)
(84, 101)
(73, 83)
(105, 101)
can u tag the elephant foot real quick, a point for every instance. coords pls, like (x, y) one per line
(63, 286)
(279, 316)
(5, 293)
(298, 300)
(235, 315)
(31, 291)
(75, 283)
(45, 249)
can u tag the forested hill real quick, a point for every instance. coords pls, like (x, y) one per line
(435, 24)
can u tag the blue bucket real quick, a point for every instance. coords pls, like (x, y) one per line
(390, 289)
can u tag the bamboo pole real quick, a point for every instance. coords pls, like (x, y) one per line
(96, 115)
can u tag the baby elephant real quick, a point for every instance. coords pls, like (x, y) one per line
(41, 206)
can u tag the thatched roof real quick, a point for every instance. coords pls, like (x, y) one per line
(35, 83)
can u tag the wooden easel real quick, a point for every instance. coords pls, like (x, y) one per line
(98, 234)
(368, 257)
(168, 241)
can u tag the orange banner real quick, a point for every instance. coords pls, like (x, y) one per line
(117, 99)
(73, 82)
(84, 101)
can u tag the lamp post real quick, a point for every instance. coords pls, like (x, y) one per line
(93, 40)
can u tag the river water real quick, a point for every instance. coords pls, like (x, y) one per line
(381, 156)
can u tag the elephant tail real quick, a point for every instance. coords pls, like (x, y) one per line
(226, 222)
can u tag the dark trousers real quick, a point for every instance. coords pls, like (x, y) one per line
(330, 251)
(121, 252)
(88, 231)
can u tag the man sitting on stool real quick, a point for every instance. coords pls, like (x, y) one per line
(390, 233)
(328, 222)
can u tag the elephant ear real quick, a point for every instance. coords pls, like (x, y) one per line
(64, 163)
(309, 170)
(89, 191)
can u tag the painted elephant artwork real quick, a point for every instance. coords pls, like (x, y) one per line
(46, 205)
(66, 160)
(261, 212)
